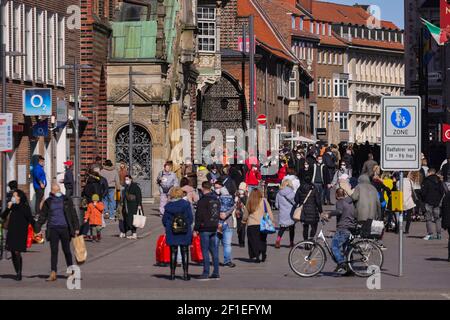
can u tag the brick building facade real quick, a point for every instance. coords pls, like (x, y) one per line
(42, 31)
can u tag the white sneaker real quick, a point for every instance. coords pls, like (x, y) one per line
(428, 237)
(122, 235)
(133, 237)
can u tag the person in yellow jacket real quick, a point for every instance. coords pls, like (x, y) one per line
(389, 182)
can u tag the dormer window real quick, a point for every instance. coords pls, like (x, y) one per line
(293, 22)
(301, 24)
(324, 26)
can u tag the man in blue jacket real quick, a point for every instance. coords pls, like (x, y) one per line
(39, 183)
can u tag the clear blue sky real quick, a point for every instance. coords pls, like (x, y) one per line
(391, 10)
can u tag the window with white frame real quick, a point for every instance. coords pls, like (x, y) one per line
(5, 29)
(39, 45)
(319, 56)
(293, 22)
(340, 59)
(293, 86)
(206, 17)
(324, 88)
(50, 52)
(325, 57)
(319, 87)
(340, 88)
(336, 58)
(335, 116)
(329, 88)
(311, 27)
(16, 40)
(330, 58)
(60, 52)
(311, 86)
(329, 30)
(319, 119)
(343, 121)
(28, 44)
(301, 24)
(318, 28)
(324, 28)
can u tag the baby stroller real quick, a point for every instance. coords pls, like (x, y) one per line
(272, 187)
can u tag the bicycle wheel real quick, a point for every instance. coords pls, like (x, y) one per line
(307, 258)
(362, 255)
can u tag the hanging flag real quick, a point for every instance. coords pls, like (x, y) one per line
(40, 129)
(437, 33)
(445, 132)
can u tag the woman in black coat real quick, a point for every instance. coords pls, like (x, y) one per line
(18, 214)
(312, 207)
(132, 202)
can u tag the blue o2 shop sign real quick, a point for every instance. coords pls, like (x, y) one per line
(37, 102)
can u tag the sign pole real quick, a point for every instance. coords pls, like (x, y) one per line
(400, 229)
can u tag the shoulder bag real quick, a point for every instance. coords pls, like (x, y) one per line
(299, 210)
(139, 219)
(266, 225)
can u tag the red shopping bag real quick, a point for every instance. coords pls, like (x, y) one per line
(196, 250)
(30, 235)
(162, 250)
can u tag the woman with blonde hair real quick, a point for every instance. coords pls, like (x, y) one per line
(416, 179)
(284, 201)
(177, 220)
(408, 200)
(257, 207)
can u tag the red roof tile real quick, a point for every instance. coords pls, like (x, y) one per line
(339, 13)
(378, 44)
(264, 31)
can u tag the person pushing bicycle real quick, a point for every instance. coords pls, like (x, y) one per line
(345, 223)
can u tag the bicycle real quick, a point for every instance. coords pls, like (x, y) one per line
(361, 254)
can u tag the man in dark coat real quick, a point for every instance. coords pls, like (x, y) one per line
(132, 202)
(432, 194)
(312, 207)
(62, 225)
(68, 178)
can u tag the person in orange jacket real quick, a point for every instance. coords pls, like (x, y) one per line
(94, 216)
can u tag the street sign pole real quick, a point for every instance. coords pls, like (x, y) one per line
(400, 231)
(401, 145)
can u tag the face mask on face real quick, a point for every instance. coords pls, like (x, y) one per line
(13, 200)
(58, 194)
(343, 167)
(320, 161)
(127, 182)
(217, 191)
(306, 167)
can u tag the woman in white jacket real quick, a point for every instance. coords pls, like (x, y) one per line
(408, 200)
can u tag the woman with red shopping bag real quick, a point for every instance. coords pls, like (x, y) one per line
(17, 218)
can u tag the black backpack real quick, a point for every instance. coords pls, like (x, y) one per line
(179, 224)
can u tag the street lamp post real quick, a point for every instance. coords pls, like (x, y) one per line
(77, 177)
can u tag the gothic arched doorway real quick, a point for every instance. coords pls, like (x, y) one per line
(222, 106)
(142, 156)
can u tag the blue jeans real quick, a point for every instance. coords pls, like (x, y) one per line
(209, 245)
(226, 242)
(110, 203)
(337, 244)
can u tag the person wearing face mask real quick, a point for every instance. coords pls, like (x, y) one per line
(166, 180)
(307, 170)
(299, 162)
(17, 216)
(213, 175)
(348, 159)
(339, 173)
(131, 203)
(62, 225)
(321, 180)
(241, 209)
(123, 172)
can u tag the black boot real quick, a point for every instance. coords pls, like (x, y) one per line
(19, 268)
(185, 260)
(173, 261)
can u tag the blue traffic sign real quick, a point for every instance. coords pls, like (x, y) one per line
(37, 102)
(400, 118)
